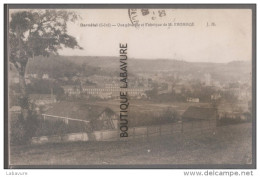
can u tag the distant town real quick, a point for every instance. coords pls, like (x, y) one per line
(67, 89)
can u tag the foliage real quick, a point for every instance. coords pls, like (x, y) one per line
(17, 131)
(39, 86)
(22, 130)
(137, 118)
(55, 66)
(35, 33)
(227, 120)
(38, 33)
(59, 128)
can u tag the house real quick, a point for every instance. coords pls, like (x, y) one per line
(199, 119)
(15, 109)
(177, 89)
(199, 113)
(105, 120)
(45, 76)
(27, 76)
(71, 90)
(193, 100)
(75, 78)
(64, 79)
(215, 96)
(163, 92)
(77, 114)
(42, 99)
(111, 91)
(235, 115)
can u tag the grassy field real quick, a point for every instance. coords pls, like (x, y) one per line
(149, 106)
(224, 145)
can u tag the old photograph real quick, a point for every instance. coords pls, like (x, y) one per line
(130, 87)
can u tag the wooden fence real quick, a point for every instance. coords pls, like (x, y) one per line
(133, 132)
(157, 130)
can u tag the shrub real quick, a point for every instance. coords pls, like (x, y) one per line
(22, 130)
(47, 128)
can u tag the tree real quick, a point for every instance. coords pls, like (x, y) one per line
(37, 33)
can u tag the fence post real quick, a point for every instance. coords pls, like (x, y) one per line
(118, 131)
(101, 136)
(201, 128)
(147, 133)
(133, 132)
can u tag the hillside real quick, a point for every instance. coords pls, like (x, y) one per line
(59, 66)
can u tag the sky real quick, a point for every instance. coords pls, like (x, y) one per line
(230, 39)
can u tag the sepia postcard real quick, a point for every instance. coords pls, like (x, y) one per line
(130, 86)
